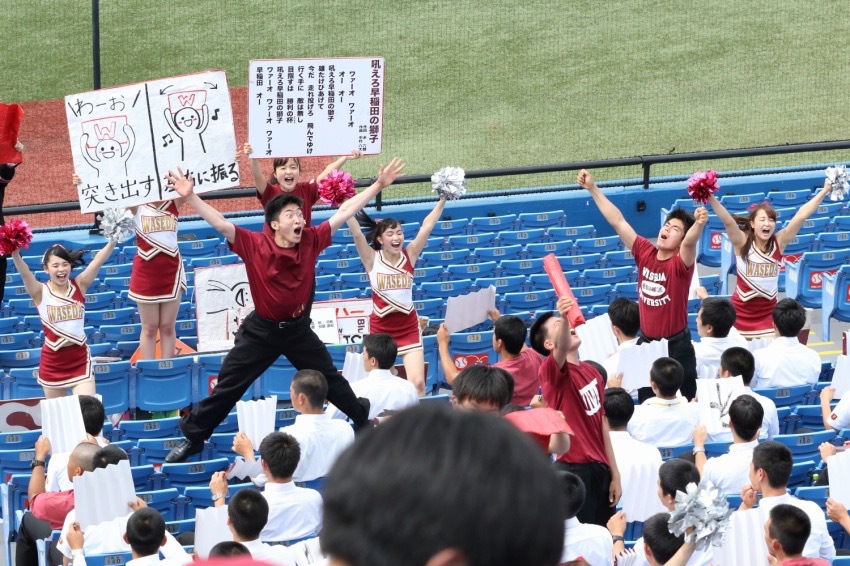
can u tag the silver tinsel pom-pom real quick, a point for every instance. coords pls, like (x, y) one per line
(705, 511)
(837, 175)
(116, 224)
(449, 181)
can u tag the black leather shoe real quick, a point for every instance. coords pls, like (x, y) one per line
(186, 449)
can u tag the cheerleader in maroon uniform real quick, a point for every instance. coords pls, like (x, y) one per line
(758, 256)
(158, 279)
(61, 302)
(286, 178)
(390, 268)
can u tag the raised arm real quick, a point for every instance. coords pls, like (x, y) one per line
(386, 176)
(364, 250)
(736, 235)
(787, 234)
(186, 189)
(31, 284)
(88, 275)
(688, 249)
(338, 163)
(611, 213)
(256, 170)
(415, 247)
(449, 368)
(826, 395)
(562, 338)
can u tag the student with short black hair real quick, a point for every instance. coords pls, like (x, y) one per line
(739, 361)
(660, 545)
(769, 473)
(714, 326)
(94, 416)
(786, 531)
(247, 514)
(591, 542)
(396, 498)
(665, 421)
(482, 388)
(229, 549)
(145, 533)
(624, 315)
(785, 362)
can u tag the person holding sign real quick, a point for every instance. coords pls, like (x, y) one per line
(286, 179)
(665, 271)
(390, 267)
(758, 258)
(65, 358)
(281, 273)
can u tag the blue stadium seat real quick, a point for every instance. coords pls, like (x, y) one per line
(785, 396)
(521, 266)
(801, 472)
(326, 282)
(116, 284)
(156, 428)
(335, 251)
(10, 359)
(804, 278)
(597, 245)
(113, 259)
(470, 348)
(15, 292)
(668, 453)
(448, 228)
(610, 275)
(737, 204)
(124, 349)
(499, 253)
(485, 224)
(13, 278)
(423, 274)
(342, 236)
(127, 315)
(508, 284)
(221, 444)
(711, 284)
(445, 289)
(18, 341)
(831, 209)
(337, 295)
(195, 262)
(523, 237)
(841, 223)
(199, 248)
(711, 242)
(113, 384)
(142, 476)
(801, 244)
(551, 219)
(22, 307)
(197, 497)
(154, 450)
(793, 198)
(541, 250)
(23, 383)
(543, 300)
(560, 233)
(817, 225)
(121, 332)
(432, 308)
(817, 494)
(470, 241)
(833, 240)
(207, 376)
(277, 379)
(835, 299)
(23, 440)
(444, 258)
(357, 279)
(13, 497)
(619, 258)
(193, 473)
(804, 446)
(162, 385)
(541, 281)
(472, 270)
(338, 266)
(808, 416)
(593, 294)
(584, 261)
(436, 243)
(120, 270)
(8, 324)
(163, 500)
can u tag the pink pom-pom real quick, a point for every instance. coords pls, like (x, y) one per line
(702, 185)
(336, 188)
(15, 235)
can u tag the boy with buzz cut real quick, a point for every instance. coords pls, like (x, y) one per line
(665, 271)
(576, 389)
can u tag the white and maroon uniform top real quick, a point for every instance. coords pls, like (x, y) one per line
(392, 285)
(156, 230)
(758, 273)
(63, 316)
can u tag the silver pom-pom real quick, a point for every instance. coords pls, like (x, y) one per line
(449, 181)
(703, 510)
(840, 182)
(116, 224)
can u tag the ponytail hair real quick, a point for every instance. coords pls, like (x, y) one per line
(373, 229)
(74, 257)
(745, 224)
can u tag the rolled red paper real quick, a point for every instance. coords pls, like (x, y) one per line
(562, 288)
(10, 124)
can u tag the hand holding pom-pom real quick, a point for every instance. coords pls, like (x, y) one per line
(15, 235)
(838, 178)
(449, 182)
(116, 224)
(336, 188)
(702, 185)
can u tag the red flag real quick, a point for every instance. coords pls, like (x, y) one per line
(10, 124)
(562, 288)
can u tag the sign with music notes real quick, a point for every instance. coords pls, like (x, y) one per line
(125, 139)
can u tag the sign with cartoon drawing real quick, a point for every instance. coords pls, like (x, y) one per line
(315, 107)
(125, 139)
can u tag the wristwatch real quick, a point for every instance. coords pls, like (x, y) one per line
(217, 496)
(617, 538)
(35, 462)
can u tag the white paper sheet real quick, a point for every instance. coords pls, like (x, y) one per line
(597, 339)
(714, 397)
(242, 469)
(308, 552)
(468, 310)
(708, 371)
(692, 290)
(323, 323)
(639, 501)
(841, 376)
(256, 418)
(62, 423)
(839, 471)
(104, 494)
(744, 540)
(210, 529)
(352, 368)
(636, 362)
(629, 557)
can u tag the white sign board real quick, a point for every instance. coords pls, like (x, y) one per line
(714, 397)
(316, 107)
(223, 300)
(125, 139)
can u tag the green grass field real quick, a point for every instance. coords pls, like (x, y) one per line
(484, 85)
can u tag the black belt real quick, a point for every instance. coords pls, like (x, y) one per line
(281, 324)
(681, 334)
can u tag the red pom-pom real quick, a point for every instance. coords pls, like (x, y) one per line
(15, 235)
(702, 185)
(336, 188)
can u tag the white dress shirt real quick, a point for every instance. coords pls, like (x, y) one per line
(665, 423)
(731, 472)
(709, 349)
(785, 363)
(294, 512)
(273, 554)
(591, 542)
(769, 423)
(840, 416)
(819, 543)
(613, 362)
(321, 439)
(699, 557)
(384, 390)
(638, 463)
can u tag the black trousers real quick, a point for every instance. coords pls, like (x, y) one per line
(597, 480)
(257, 345)
(26, 552)
(681, 349)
